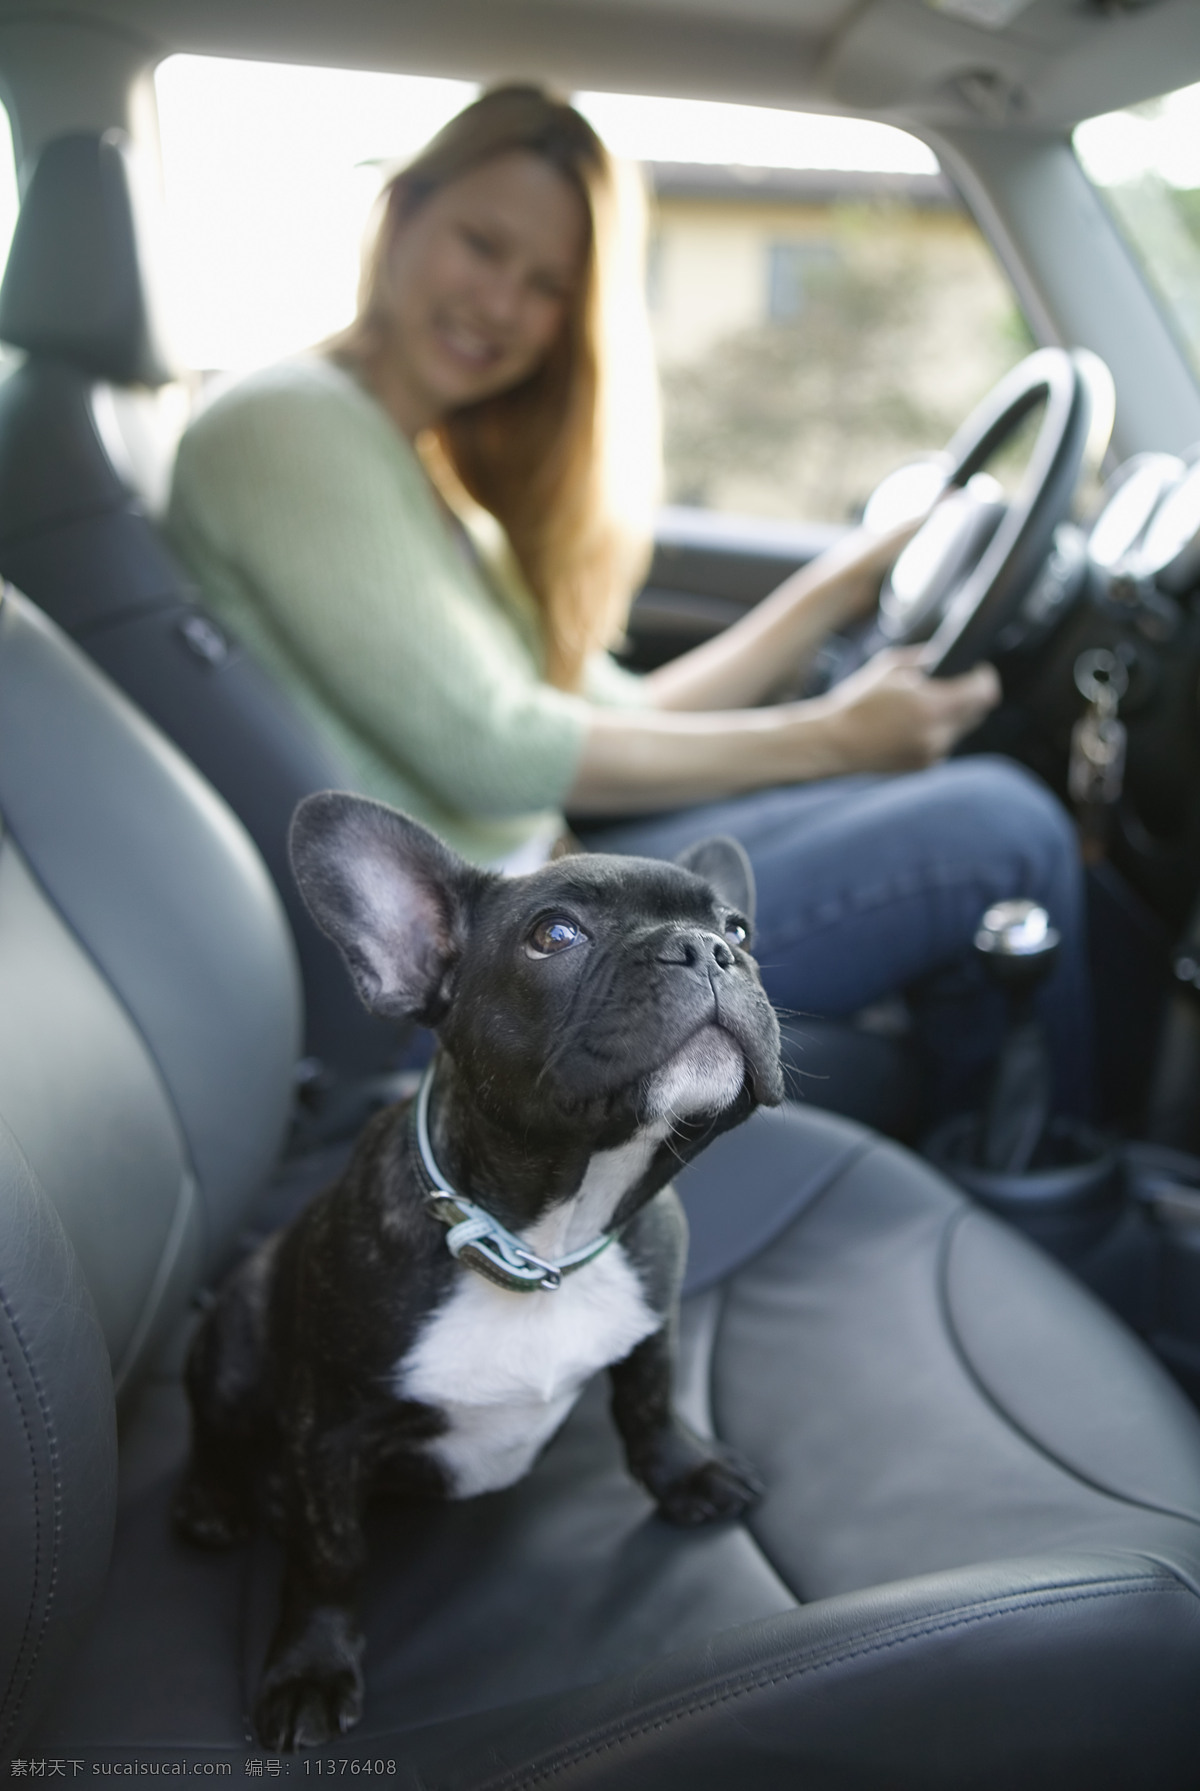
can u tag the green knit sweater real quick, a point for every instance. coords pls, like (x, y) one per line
(310, 526)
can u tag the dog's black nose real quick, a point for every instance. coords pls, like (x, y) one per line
(695, 950)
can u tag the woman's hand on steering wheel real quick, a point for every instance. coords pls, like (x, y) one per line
(890, 716)
(857, 565)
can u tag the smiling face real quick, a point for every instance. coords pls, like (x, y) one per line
(478, 283)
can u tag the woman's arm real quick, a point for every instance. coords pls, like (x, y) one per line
(301, 489)
(769, 645)
(888, 716)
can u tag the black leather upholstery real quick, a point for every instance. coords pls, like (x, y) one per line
(965, 1571)
(151, 877)
(58, 1446)
(77, 286)
(978, 1555)
(149, 1020)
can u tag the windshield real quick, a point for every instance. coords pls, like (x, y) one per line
(1146, 162)
(822, 306)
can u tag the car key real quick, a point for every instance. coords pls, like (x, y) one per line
(1096, 772)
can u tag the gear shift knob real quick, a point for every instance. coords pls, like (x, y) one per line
(1017, 944)
(1018, 947)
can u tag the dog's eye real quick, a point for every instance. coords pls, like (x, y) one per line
(736, 931)
(555, 933)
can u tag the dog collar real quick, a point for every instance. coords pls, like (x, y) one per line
(478, 1240)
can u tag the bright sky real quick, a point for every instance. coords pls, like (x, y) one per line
(1122, 146)
(270, 172)
(8, 187)
(675, 130)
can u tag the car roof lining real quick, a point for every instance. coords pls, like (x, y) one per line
(1054, 62)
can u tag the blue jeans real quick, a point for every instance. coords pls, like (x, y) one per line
(870, 886)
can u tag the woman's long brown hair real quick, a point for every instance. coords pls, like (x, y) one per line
(567, 461)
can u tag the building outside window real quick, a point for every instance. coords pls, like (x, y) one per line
(789, 265)
(815, 328)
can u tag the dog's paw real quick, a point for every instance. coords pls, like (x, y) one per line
(312, 1691)
(210, 1516)
(711, 1491)
(310, 1710)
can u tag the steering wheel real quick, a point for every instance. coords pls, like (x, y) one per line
(962, 577)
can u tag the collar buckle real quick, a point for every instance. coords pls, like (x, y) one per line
(478, 1240)
(551, 1276)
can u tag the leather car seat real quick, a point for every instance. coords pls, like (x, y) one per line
(84, 465)
(977, 1559)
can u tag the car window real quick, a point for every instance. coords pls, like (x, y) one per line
(269, 174)
(823, 305)
(1146, 163)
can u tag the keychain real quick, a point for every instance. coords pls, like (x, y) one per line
(1096, 774)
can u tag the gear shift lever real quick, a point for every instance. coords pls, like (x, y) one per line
(1050, 1175)
(1018, 946)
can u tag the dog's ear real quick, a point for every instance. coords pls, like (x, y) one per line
(390, 895)
(722, 862)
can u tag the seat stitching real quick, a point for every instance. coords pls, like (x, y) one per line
(1009, 1418)
(20, 1405)
(521, 1778)
(17, 1687)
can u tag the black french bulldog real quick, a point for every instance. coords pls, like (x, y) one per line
(427, 1323)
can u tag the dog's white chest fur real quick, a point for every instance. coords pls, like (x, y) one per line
(506, 1368)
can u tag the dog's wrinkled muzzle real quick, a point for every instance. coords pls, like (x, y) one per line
(747, 1016)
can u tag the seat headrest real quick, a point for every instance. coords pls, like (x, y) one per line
(77, 286)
